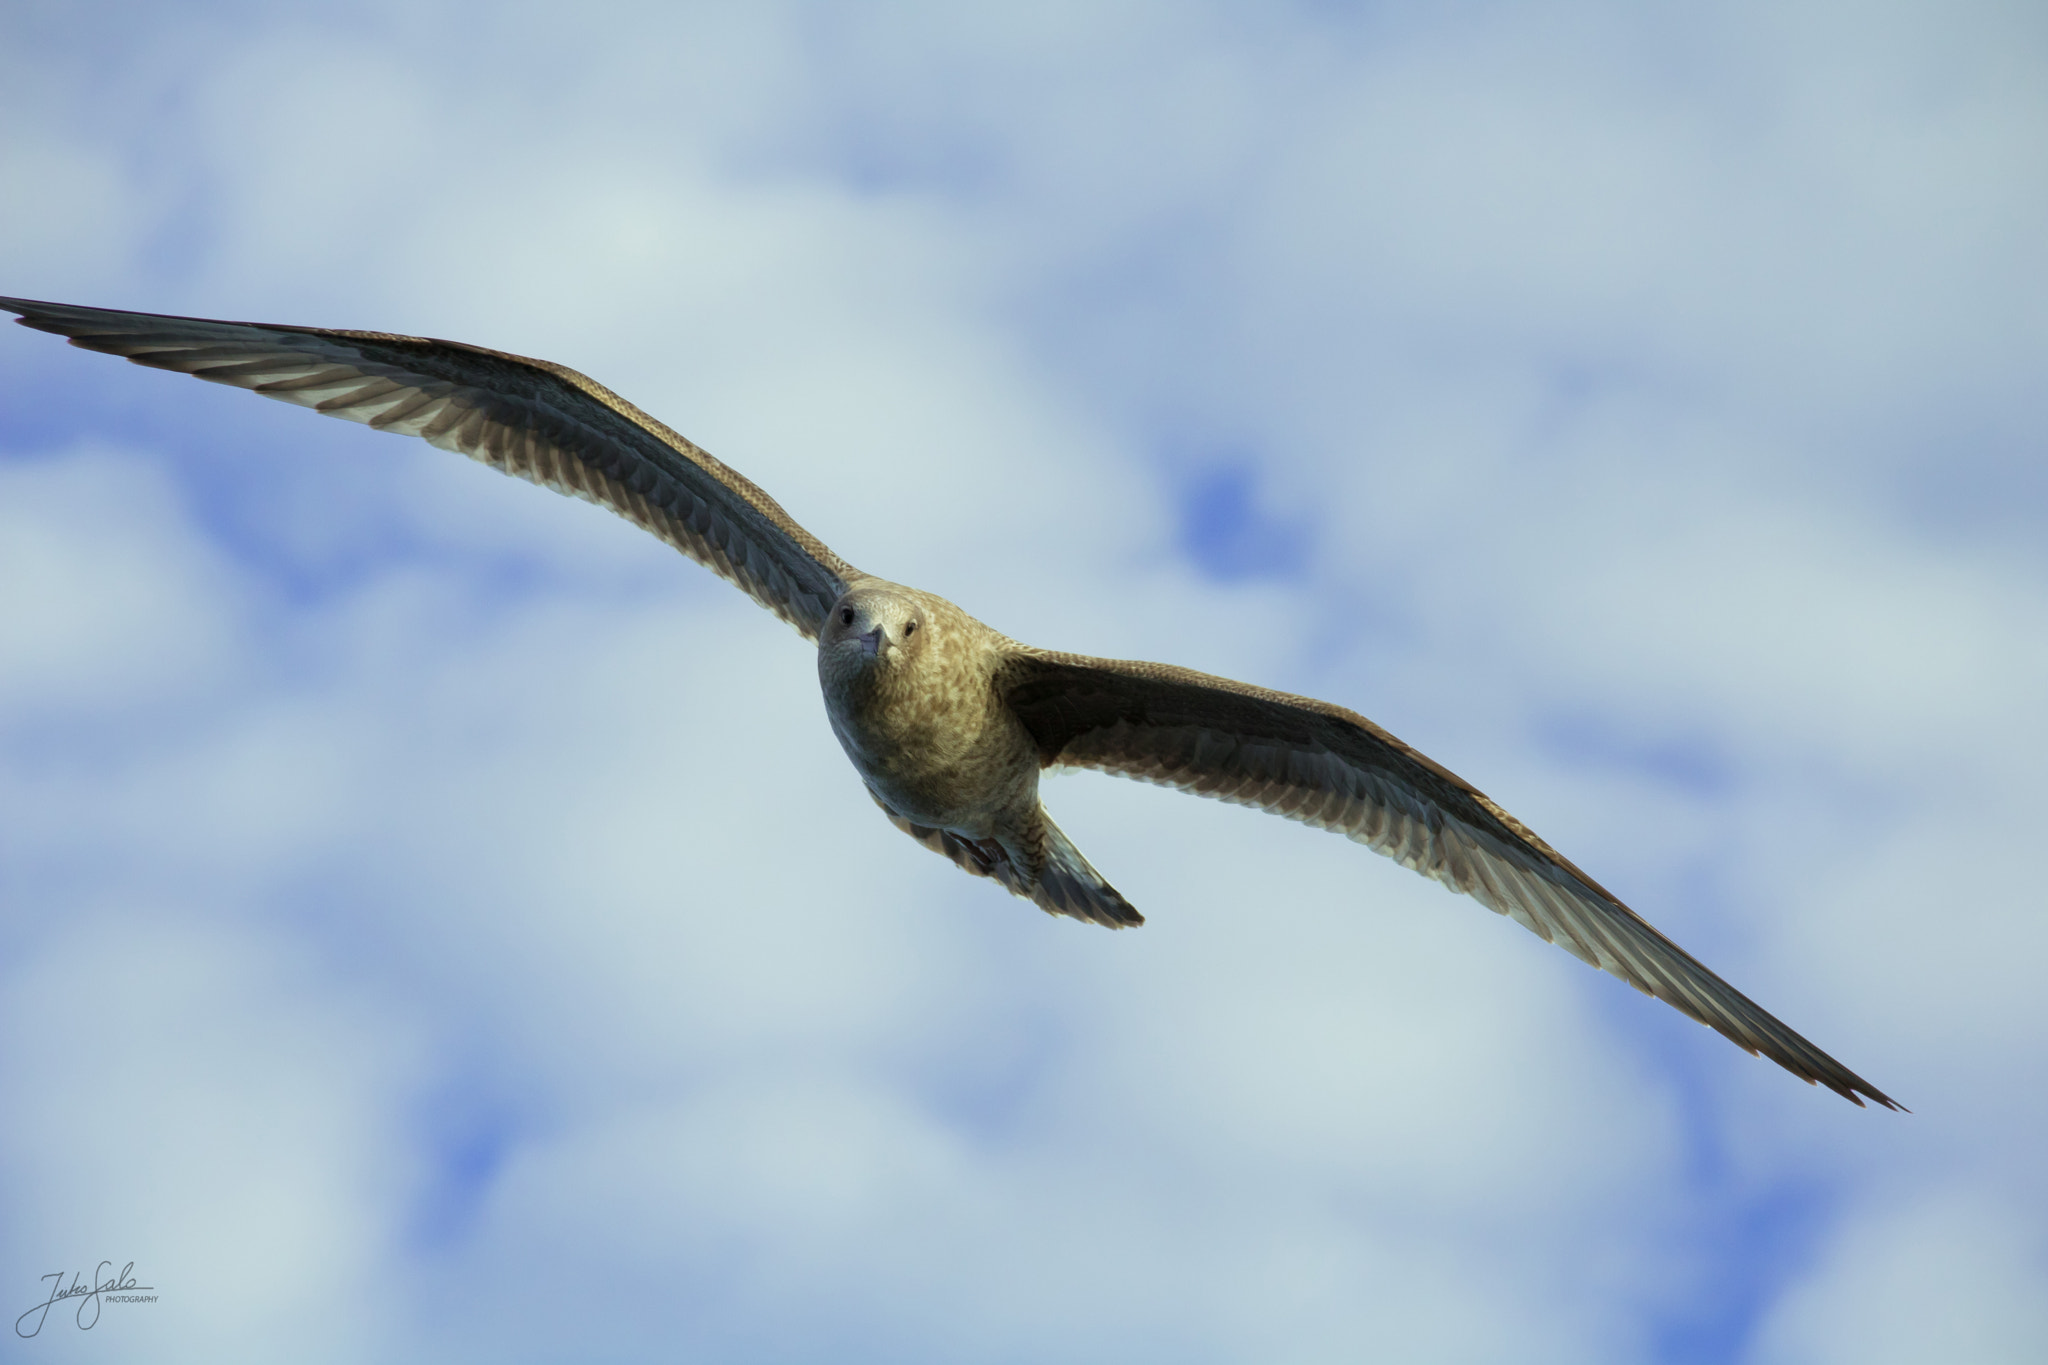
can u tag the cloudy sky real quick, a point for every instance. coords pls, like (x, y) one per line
(438, 924)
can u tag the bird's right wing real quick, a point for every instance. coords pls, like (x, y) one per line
(1336, 770)
(540, 421)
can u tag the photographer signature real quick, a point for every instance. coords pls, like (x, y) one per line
(119, 1288)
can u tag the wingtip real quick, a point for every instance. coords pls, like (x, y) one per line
(31, 308)
(1885, 1101)
(1855, 1090)
(44, 317)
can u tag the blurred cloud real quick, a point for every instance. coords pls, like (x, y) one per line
(439, 925)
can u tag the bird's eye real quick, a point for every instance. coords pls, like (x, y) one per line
(846, 616)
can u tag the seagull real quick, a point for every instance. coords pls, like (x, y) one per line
(950, 723)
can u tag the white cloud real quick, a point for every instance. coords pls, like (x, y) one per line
(105, 611)
(210, 1106)
(518, 970)
(1950, 1274)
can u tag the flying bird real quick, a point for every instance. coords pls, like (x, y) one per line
(950, 723)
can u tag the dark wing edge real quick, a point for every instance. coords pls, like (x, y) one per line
(528, 418)
(1335, 770)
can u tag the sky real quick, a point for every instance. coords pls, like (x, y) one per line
(436, 923)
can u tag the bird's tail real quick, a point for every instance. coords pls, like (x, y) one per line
(1068, 884)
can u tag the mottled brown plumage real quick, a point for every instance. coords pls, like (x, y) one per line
(948, 722)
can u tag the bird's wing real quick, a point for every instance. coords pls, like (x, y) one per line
(1336, 770)
(540, 421)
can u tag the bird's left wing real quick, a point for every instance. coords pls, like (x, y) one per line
(1336, 770)
(530, 418)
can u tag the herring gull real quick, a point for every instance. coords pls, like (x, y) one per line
(948, 722)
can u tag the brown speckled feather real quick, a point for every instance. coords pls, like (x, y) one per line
(540, 421)
(1336, 770)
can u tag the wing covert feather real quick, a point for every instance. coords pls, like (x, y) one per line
(533, 419)
(1334, 769)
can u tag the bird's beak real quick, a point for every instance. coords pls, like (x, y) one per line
(871, 643)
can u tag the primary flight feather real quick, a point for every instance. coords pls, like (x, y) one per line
(948, 722)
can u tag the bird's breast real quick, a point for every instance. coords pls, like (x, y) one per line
(942, 752)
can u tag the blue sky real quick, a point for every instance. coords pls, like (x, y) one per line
(439, 925)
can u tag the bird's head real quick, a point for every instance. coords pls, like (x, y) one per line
(875, 626)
